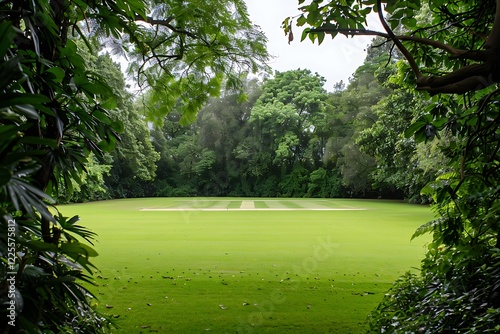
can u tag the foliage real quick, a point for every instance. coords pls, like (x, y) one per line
(403, 165)
(188, 43)
(324, 184)
(269, 146)
(352, 113)
(266, 146)
(92, 186)
(291, 123)
(38, 149)
(175, 145)
(253, 147)
(57, 108)
(134, 158)
(459, 297)
(450, 49)
(453, 62)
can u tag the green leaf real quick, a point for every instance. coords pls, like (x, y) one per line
(77, 248)
(57, 72)
(39, 141)
(301, 20)
(409, 22)
(413, 128)
(286, 25)
(321, 37)
(117, 126)
(313, 14)
(110, 103)
(305, 32)
(7, 34)
(427, 228)
(73, 220)
(440, 123)
(9, 70)
(101, 117)
(106, 145)
(33, 272)
(26, 110)
(41, 245)
(13, 99)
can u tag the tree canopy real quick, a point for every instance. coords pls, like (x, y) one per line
(450, 47)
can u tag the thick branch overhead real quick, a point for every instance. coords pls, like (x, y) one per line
(478, 66)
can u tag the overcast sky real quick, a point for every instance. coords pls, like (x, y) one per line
(334, 59)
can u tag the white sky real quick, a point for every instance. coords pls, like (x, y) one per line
(334, 59)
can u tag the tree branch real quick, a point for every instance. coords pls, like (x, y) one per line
(165, 23)
(468, 78)
(454, 52)
(398, 43)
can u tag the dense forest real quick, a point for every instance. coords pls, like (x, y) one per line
(287, 137)
(419, 120)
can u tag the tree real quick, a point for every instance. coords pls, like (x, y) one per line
(404, 167)
(198, 159)
(266, 146)
(286, 122)
(134, 158)
(55, 111)
(442, 56)
(199, 50)
(176, 144)
(91, 186)
(451, 52)
(223, 124)
(352, 112)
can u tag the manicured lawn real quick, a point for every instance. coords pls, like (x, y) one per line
(167, 268)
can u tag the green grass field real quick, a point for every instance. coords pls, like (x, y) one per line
(222, 265)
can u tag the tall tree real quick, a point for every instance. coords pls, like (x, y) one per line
(403, 168)
(285, 119)
(281, 130)
(172, 140)
(55, 110)
(452, 52)
(266, 146)
(223, 124)
(352, 113)
(134, 158)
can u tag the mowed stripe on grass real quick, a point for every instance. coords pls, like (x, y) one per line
(269, 205)
(294, 271)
